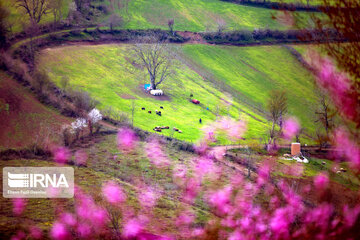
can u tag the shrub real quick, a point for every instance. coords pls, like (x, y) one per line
(40, 81)
(82, 101)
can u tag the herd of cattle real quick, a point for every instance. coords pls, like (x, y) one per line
(160, 128)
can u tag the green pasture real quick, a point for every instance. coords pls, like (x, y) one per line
(229, 81)
(250, 73)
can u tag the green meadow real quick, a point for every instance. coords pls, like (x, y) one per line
(189, 15)
(228, 81)
(197, 15)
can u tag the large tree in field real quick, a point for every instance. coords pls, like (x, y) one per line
(36, 9)
(277, 107)
(324, 113)
(155, 57)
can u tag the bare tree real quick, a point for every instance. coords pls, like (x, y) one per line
(155, 57)
(115, 21)
(221, 25)
(80, 4)
(36, 9)
(277, 107)
(32, 30)
(171, 25)
(323, 113)
(56, 9)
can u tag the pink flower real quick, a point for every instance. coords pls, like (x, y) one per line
(179, 172)
(35, 232)
(209, 135)
(338, 86)
(217, 153)
(221, 199)
(113, 193)
(99, 217)
(185, 218)
(348, 147)
(68, 219)
(191, 190)
(351, 215)
(197, 232)
(204, 166)
(59, 232)
(83, 211)
(233, 129)
(291, 128)
(84, 230)
(19, 235)
(19, 205)
(126, 139)
(237, 130)
(321, 181)
(81, 157)
(148, 198)
(132, 228)
(62, 155)
(156, 154)
(321, 215)
(236, 235)
(279, 223)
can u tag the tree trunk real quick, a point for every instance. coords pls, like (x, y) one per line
(152, 83)
(90, 127)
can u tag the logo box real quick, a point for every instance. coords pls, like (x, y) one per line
(38, 182)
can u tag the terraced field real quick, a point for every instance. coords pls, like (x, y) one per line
(227, 80)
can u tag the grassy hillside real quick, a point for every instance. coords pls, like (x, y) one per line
(105, 163)
(18, 16)
(215, 75)
(196, 15)
(189, 15)
(252, 72)
(24, 120)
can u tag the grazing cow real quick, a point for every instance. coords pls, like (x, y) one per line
(166, 127)
(143, 108)
(161, 107)
(157, 129)
(175, 129)
(149, 112)
(180, 131)
(200, 121)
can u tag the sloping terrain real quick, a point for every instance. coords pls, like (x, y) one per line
(227, 81)
(196, 15)
(24, 120)
(252, 72)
